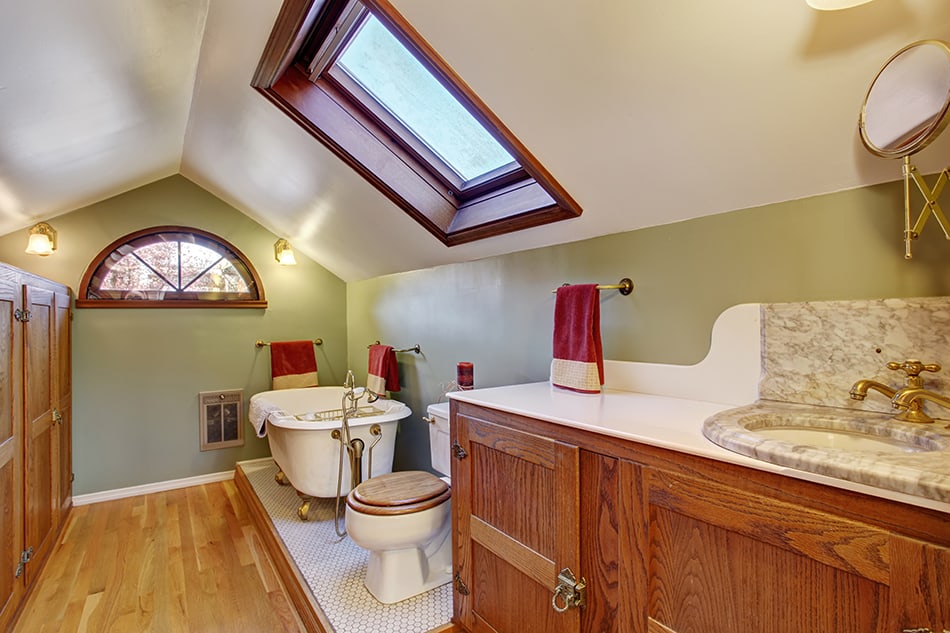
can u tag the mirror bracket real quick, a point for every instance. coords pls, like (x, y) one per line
(931, 204)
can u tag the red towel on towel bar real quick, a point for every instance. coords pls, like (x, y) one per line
(293, 364)
(383, 370)
(578, 354)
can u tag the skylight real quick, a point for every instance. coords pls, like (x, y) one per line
(398, 82)
(363, 82)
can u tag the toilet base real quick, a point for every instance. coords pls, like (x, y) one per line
(396, 575)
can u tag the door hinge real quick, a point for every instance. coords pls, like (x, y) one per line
(23, 316)
(25, 557)
(459, 585)
(457, 451)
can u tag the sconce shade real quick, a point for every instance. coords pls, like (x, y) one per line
(42, 240)
(834, 5)
(284, 253)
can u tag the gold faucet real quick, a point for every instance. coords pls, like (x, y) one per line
(909, 398)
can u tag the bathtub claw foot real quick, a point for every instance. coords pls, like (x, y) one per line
(304, 510)
(281, 478)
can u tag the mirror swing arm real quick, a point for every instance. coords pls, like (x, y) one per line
(905, 109)
(931, 204)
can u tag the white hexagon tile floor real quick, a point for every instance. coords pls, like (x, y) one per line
(335, 568)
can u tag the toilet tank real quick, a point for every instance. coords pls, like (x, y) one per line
(439, 437)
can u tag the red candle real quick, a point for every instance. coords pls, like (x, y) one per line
(466, 375)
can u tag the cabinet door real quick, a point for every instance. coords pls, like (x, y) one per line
(62, 405)
(38, 349)
(11, 447)
(515, 500)
(721, 559)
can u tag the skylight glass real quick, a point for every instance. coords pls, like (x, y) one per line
(398, 82)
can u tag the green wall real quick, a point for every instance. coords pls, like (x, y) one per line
(498, 312)
(137, 372)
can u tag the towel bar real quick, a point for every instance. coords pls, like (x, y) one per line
(625, 286)
(259, 343)
(415, 349)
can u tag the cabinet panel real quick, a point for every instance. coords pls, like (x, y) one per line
(62, 403)
(516, 521)
(38, 347)
(11, 478)
(706, 578)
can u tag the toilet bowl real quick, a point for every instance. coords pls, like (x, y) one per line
(404, 520)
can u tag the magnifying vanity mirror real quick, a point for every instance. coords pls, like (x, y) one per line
(905, 109)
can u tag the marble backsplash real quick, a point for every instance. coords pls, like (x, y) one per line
(813, 352)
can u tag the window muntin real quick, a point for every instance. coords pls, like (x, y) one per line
(399, 83)
(297, 73)
(171, 267)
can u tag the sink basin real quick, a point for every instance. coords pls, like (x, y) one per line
(843, 440)
(765, 430)
(860, 446)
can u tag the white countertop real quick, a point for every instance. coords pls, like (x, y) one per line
(662, 421)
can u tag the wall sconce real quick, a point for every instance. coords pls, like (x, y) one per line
(42, 240)
(284, 253)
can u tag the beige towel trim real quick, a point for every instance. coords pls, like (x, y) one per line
(575, 374)
(376, 384)
(295, 381)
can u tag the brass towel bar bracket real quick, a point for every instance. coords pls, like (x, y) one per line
(259, 343)
(415, 349)
(625, 286)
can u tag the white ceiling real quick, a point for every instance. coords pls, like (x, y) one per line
(647, 112)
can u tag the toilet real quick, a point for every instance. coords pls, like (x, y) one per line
(404, 519)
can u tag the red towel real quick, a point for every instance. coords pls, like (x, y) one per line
(578, 354)
(383, 371)
(293, 364)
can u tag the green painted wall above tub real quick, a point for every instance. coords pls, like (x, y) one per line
(137, 372)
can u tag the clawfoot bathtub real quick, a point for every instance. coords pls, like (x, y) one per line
(302, 428)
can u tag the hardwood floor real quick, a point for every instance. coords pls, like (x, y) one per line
(187, 560)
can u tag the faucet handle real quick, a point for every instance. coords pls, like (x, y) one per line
(912, 367)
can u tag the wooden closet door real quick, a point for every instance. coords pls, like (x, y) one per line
(515, 498)
(38, 349)
(11, 447)
(62, 404)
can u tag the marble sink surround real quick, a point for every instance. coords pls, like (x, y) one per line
(813, 352)
(787, 358)
(924, 473)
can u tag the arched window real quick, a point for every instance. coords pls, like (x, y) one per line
(171, 267)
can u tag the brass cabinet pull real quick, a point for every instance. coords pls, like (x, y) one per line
(569, 592)
(921, 630)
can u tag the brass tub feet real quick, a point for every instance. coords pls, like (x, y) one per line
(304, 510)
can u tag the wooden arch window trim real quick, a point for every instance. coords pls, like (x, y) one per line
(358, 137)
(111, 254)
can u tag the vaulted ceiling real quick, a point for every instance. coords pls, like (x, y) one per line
(647, 112)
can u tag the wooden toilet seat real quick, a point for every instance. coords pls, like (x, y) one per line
(396, 493)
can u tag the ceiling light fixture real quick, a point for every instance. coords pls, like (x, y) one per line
(42, 240)
(834, 5)
(284, 253)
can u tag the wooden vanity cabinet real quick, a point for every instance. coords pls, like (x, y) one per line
(672, 543)
(35, 435)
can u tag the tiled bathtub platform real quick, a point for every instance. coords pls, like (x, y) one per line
(334, 567)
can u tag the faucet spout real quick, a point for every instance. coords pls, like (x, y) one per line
(859, 390)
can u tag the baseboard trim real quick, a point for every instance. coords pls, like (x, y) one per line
(144, 489)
